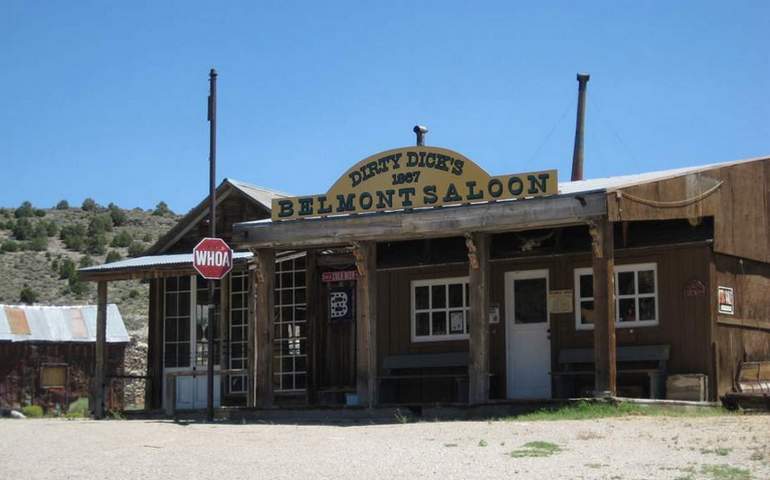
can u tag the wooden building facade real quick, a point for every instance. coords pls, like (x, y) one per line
(463, 292)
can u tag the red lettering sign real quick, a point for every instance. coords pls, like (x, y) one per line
(212, 258)
(341, 276)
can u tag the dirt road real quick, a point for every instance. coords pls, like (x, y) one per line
(729, 447)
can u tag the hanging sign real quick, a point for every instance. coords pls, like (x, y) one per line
(560, 301)
(340, 276)
(341, 304)
(414, 177)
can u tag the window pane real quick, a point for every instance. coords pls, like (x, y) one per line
(627, 309)
(439, 323)
(587, 312)
(626, 283)
(457, 321)
(422, 327)
(170, 330)
(530, 300)
(184, 304)
(438, 296)
(586, 285)
(456, 295)
(421, 298)
(287, 297)
(646, 282)
(170, 355)
(299, 279)
(299, 295)
(183, 355)
(647, 308)
(184, 283)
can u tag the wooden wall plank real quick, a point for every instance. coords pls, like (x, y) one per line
(264, 327)
(478, 344)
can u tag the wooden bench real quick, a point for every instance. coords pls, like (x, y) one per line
(422, 366)
(579, 361)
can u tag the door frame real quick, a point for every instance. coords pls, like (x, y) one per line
(510, 277)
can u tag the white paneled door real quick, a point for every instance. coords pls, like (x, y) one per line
(528, 347)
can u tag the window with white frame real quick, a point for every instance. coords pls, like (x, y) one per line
(290, 326)
(636, 296)
(440, 309)
(176, 323)
(239, 310)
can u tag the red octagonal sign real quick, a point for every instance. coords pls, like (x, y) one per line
(212, 258)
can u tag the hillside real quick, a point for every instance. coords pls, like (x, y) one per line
(40, 250)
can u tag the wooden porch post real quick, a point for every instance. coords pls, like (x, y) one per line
(312, 319)
(264, 327)
(251, 358)
(224, 335)
(366, 323)
(478, 367)
(602, 255)
(99, 379)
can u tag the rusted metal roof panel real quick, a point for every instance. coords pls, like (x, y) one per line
(33, 323)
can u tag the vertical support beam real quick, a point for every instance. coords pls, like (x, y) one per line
(264, 327)
(312, 319)
(251, 351)
(224, 335)
(478, 367)
(153, 397)
(366, 323)
(603, 259)
(100, 375)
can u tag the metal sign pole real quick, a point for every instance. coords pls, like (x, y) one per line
(213, 234)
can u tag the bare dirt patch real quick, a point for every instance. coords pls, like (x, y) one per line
(723, 447)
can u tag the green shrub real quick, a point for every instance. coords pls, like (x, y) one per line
(32, 411)
(73, 236)
(39, 212)
(67, 269)
(51, 229)
(161, 210)
(78, 408)
(85, 261)
(89, 205)
(136, 249)
(39, 243)
(100, 224)
(28, 295)
(147, 238)
(119, 216)
(113, 256)
(133, 293)
(25, 210)
(63, 205)
(97, 244)
(78, 287)
(9, 246)
(122, 239)
(23, 230)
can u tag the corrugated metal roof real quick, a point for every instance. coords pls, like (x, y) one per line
(25, 323)
(262, 195)
(138, 263)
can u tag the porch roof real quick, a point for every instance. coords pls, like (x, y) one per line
(150, 266)
(509, 215)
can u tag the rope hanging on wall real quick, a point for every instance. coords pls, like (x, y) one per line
(674, 204)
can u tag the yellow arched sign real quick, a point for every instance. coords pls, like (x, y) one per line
(414, 177)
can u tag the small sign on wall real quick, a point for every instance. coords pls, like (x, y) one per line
(341, 304)
(560, 301)
(494, 314)
(726, 299)
(339, 276)
(694, 288)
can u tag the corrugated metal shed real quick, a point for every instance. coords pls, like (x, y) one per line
(24, 323)
(149, 261)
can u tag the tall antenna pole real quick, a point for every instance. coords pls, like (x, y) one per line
(577, 154)
(213, 234)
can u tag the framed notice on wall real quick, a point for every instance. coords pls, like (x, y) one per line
(726, 299)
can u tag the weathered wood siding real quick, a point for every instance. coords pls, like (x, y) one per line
(684, 322)
(744, 336)
(740, 207)
(20, 372)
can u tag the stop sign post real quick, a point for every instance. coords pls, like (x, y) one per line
(212, 258)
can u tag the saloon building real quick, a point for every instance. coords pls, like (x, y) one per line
(419, 278)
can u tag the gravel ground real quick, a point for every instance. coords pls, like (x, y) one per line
(725, 447)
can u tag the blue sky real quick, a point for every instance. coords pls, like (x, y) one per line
(108, 99)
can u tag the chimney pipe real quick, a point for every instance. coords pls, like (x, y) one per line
(420, 130)
(577, 154)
